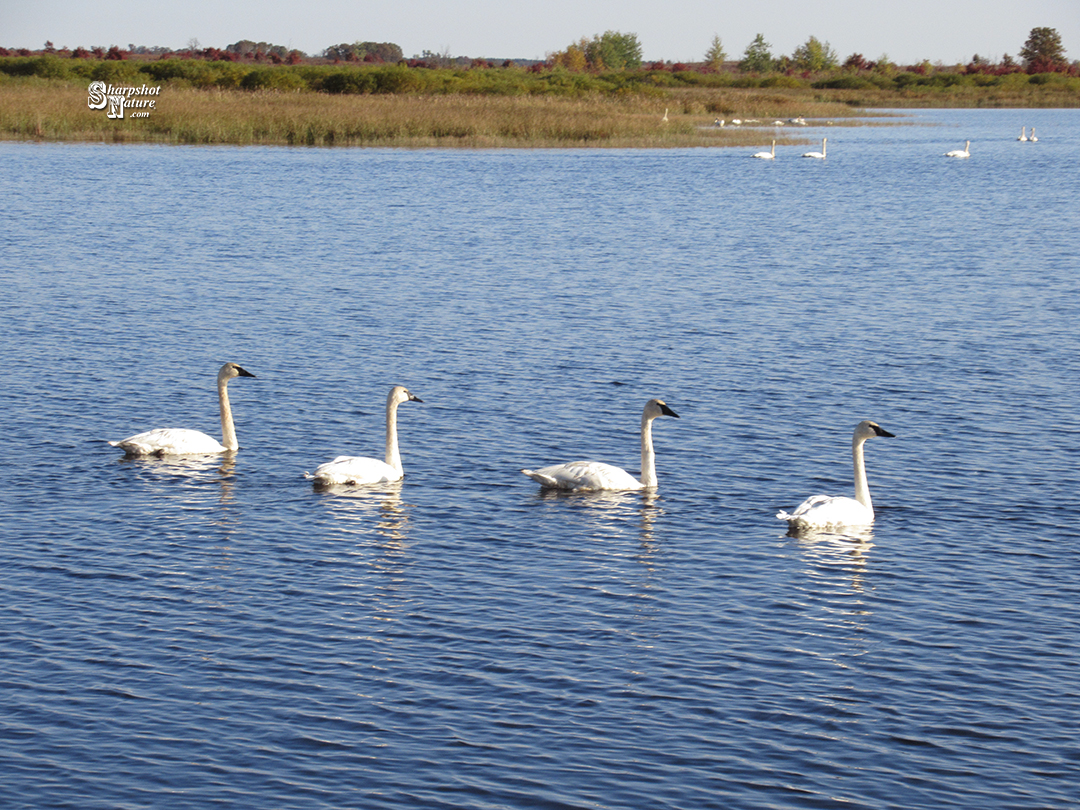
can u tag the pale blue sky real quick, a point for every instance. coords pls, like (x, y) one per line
(678, 30)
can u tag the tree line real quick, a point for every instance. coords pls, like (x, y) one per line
(1042, 52)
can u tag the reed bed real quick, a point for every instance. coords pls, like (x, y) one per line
(47, 110)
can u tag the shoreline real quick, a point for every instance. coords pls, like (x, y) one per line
(174, 112)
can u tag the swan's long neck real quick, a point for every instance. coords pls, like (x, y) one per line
(228, 429)
(648, 456)
(862, 489)
(393, 455)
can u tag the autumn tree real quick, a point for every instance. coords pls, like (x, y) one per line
(814, 56)
(757, 57)
(614, 50)
(611, 50)
(573, 58)
(1043, 52)
(715, 56)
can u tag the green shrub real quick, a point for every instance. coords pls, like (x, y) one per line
(782, 81)
(846, 82)
(115, 72)
(273, 78)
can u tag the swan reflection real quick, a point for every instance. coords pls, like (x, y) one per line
(845, 549)
(363, 510)
(612, 510)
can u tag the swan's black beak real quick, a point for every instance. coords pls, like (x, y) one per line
(880, 431)
(664, 409)
(244, 373)
(414, 398)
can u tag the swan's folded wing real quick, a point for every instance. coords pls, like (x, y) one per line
(827, 510)
(355, 470)
(584, 476)
(169, 442)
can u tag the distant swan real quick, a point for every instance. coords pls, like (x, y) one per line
(361, 470)
(820, 155)
(767, 155)
(665, 115)
(595, 475)
(821, 511)
(184, 442)
(1033, 138)
(1023, 134)
(958, 153)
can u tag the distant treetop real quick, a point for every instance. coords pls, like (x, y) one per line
(365, 52)
(1043, 50)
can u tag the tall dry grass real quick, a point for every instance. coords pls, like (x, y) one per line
(39, 109)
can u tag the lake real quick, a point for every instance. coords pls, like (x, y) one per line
(217, 632)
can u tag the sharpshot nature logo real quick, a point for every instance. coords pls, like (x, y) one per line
(139, 100)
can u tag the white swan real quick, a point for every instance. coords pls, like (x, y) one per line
(184, 442)
(960, 153)
(1033, 138)
(1023, 134)
(595, 475)
(819, 155)
(822, 511)
(362, 470)
(767, 155)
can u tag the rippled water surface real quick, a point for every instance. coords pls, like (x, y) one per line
(217, 633)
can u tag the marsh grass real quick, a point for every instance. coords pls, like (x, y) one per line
(34, 108)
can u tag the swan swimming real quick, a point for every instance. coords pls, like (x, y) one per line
(184, 442)
(362, 470)
(585, 476)
(1033, 139)
(960, 153)
(819, 155)
(1023, 134)
(822, 511)
(767, 155)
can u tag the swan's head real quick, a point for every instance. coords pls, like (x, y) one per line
(868, 430)
(657, 407)
(231, 370)
(399, 394)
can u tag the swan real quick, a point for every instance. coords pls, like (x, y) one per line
(664, 119)
(958, 153)
(184, 442)
(361, 470)
(1023, 134)
(821, 511)
(767, 155)
(1033, 138)
(584, 476)
(820, 155)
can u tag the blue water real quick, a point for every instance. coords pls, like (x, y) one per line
(217, 633)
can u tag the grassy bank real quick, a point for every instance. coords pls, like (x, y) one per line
(391, 105)
(46, 111)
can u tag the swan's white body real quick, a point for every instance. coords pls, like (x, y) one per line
(1023, 134)
(363, 470)
(185, 442)
(771, 155)
(825, 511)
(1033, 138)
(819, 155)
(960, 153)
(587, 476)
